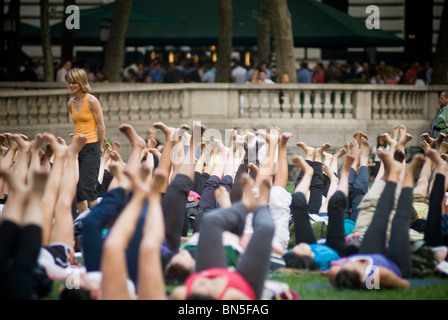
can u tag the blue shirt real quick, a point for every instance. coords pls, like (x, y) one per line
(304, 76)
(155, 76)
(323, 256)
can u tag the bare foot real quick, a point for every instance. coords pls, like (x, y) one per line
(164, 128)
(392, 168)
(61, 141)
(219, 151)
(320, 150)
(392, 142)
(253, 167)
(341, 152)
(439, 140)
(284, 137)
(443, 147)
(58, 149)
(133, 137)
(396, 131)
(364, 152)
(78, 142)
(23, 144)
(136, 178)
(425, 145)
(265, 189)
(155, 153)
(331, 175)
(348, 162)
(118, 171)
(116, 157)
(152, 143)
(2, 138)
(303, 165)
(248, 199)
(158, 182)
(405, 139)
(271, 135)
(347, 147)
(355, 150)
(411, 168)
(357, 136)
(223, 197)
(106, 154)
(179, 132)
(328, 157)
(436, 160)
(428, 139)
(309, 151)
(444, 156)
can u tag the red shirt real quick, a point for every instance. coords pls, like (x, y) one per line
(319, 77)
(235, 280)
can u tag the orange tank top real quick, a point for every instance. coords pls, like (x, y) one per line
(84, 121)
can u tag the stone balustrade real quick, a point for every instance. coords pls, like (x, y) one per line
(312, 112)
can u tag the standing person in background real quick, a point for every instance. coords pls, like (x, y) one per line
(238, 73)
(209, 73)
(304, 74)
(63, 70)
(87, 115)
(440, 124)
(318, 74)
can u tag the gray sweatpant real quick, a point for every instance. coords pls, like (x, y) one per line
(254, 264)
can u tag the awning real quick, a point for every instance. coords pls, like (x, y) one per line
(196, 22)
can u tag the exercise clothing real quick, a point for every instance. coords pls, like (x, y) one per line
(84, 121)
(235, 280)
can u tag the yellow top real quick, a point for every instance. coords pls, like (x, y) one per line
(84, 121)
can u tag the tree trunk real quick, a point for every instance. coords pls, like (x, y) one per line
(14, 43)
(224, 41)
(115, 48)
(283, 37)
(264, 32)
(68, 36)
(46, 40)
(441, 55)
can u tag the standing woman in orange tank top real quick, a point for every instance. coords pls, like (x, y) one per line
(87, 115)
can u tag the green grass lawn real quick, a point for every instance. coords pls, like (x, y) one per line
(315, 286)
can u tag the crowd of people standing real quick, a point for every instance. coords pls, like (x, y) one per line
(187, 70)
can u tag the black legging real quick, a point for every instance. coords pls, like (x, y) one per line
(399, 250)
(433, 226)
(199, 181)
(19, 250)
(335, 233)
(174, 205)
(254, 264)
(316, 186)
(236, 193)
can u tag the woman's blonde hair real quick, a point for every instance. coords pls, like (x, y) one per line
(78, 76)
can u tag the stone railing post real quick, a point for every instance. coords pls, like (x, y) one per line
(362, 104)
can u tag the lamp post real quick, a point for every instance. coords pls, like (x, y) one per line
(104, 35)
(9, 23)
(12, 43)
